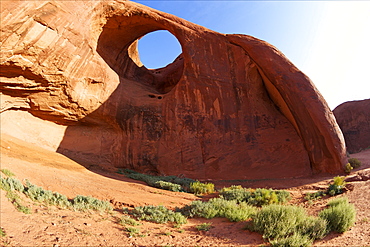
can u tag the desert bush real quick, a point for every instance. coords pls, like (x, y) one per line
(256, 197)
(88, 202)
(204, 227)
(340, 215)
(7, 172)
(2, 232)
(291, 241)
(285, 225)
(17, 202)
(47, 197)
(168, 186)
(355, 163)
(219, 207)
(127, 220)
(158, 214)
(314, 196)
(348, 168)
(132, 231)
(337, 186)
(199, 188)
(153, 180)
(10, 184)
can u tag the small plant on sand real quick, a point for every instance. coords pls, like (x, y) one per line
(315, 195)
(199, 188)
(158, 214)
(7, 172)
(168, 186)
(337, 186)
(17, 202)
(204, 227)
(132, 231)
(340, 215)
(2, 232)
(348, 168)
(355, 163)
(127, 220)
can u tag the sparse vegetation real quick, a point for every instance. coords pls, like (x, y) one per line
(48, 197)
(158, 214)
(204, 227)
(168, 186)
(219, 207)
(348, 168)
(337, 186)
(315, 196)
(256, 197)
(285, 225)
(355, 163)
(157, 181)
(199, 188)
(83, 203)
(340, 215)
(132, 231)
(127, 220)
(7, 172)
(2, 232)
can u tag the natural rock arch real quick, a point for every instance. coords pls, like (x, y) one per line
(229, 107)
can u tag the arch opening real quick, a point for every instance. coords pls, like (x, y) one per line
(158, 49)
(118, 46)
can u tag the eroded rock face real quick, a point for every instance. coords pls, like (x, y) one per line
(229, 107)
(354, 120)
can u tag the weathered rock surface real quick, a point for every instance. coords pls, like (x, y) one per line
(229, 107)
(353, 118)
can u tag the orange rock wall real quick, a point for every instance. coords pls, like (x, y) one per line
(229, 107)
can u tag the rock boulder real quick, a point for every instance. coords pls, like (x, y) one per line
(353, 118)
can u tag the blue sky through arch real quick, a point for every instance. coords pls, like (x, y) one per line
(158, 49)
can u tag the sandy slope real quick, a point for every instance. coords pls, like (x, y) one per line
(52, 226)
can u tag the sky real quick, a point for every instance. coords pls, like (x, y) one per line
(327, 40)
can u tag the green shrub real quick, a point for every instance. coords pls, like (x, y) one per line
(219, 207)
(153, 180)
(2, 232)
(337, 186)
(127, 220)
(158, 214)
(199, 188)
(204, 227)
(314, 196)
(17, 202)
(340, 215)
(348, 168)
(256, 197)
(285, 225)
(293, 240)
(7, 172)
(168, 186)
(88, 202)
(132, 231)
(10, 184)
(355, 163)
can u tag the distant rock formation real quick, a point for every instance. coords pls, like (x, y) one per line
(229, 107)
(353, 118)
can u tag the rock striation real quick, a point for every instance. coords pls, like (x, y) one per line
(229, 107)
(353, 118)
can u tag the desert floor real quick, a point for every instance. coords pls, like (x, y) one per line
(50, 226)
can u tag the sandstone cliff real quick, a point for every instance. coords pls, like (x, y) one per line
(229, 107)
(353, 118)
